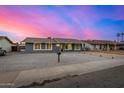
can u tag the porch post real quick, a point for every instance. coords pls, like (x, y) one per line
(94, 47)
(115, 47)
(108, 48)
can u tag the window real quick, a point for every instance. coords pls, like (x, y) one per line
(37, 46)
(68, 46)
(61, 46)
(49, 45)
(77, 46)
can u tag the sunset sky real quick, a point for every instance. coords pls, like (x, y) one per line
(80, 22)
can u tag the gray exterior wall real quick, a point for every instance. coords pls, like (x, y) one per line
(54, 48)
(42, 45)
(29, 47)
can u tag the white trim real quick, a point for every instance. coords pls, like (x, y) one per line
(34, 47)
(40, 47)
(67, 46)
(68, 49)
(75, 47)
(46, 46)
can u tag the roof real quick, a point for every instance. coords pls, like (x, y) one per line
(52, 40)
(66, 40)
(38, 40)
(102, 42)
(4, 37)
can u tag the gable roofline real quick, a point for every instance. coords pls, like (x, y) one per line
(38, 40)
(49, 39)
(5, 37)
(102, 42)
(67, 40)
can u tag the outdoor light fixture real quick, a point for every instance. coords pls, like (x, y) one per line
(58, 45)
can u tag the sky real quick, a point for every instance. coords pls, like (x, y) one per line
(79, 22)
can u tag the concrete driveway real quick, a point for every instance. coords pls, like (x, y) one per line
(20, 62)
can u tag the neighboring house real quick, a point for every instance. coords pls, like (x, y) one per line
(103, 45)
(22, 46)
(51, 44)
(120, 46)
(6, 43)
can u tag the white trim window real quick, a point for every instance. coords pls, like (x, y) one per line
(48, 46)
(37, 46)
(77, 47)
(68, 46)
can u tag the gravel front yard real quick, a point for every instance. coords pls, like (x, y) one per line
(19, 62)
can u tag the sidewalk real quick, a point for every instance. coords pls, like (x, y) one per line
(23, 78)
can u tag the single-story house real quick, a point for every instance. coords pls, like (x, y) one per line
(51, 44)
(6, 43)
(104, 45)
(120, 46)
(65, 44)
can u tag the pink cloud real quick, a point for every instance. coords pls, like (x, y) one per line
(90, 34)
(40, 26)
